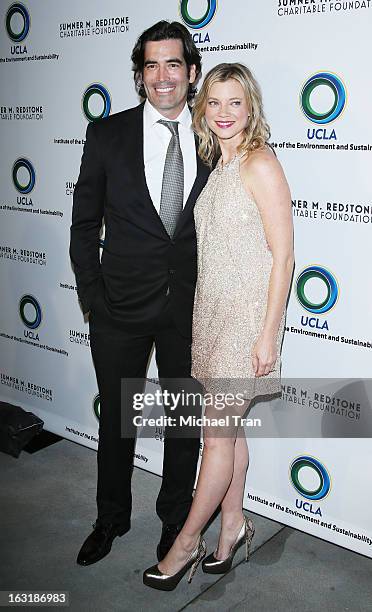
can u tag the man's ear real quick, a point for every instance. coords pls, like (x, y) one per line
(192, 73)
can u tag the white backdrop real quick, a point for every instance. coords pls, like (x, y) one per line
(312, 61)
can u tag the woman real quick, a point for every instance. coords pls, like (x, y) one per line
(244, 231)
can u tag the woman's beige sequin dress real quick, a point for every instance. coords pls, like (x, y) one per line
(234, 265)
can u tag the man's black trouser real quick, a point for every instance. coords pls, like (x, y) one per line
(119, 354)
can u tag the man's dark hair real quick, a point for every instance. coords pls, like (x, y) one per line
(165, 30)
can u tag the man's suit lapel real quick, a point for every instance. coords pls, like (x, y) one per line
(202, 173)
(135, 160)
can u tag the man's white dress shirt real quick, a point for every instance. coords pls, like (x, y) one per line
(156, 138)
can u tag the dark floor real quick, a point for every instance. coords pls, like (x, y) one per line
(46, 509)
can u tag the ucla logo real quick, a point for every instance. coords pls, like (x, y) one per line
(196, 23)
(97, 406)
(335, 105)
(96, 102)
(304, 467)
(23, 175)
(30, 312)
(17, 22)
(328, 281)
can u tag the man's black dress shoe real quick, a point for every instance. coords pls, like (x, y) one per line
(168, 535)
(98, 543)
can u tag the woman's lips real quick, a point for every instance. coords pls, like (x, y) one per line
(224, 124)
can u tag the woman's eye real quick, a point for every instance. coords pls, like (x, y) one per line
(236, 103)
(212, 103)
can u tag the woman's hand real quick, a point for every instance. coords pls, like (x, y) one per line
(264, 355)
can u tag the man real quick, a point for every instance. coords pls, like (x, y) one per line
(140, 171)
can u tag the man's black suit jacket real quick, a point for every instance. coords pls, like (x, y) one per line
(139, 260)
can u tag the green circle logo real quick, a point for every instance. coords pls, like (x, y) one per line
(328, 280)
(318, 492)
(196, 23)
(99, 92)
(334, 84)
(17, 11)
(30, 311)
(23, 165)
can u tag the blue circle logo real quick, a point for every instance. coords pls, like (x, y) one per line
(30, 311)
(315, 492)
(23, 166)
(329, 281)
(196, 23)
(97, 92)
(338, 97)
(17, 12)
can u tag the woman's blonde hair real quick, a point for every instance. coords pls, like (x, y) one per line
(257, 132)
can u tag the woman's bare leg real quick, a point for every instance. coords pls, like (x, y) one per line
(232, 504)
(215, 477)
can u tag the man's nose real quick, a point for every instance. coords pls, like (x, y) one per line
(163, 73)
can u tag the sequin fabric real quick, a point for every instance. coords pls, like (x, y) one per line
(234, 265)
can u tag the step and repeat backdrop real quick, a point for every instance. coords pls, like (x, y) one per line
(65, 64)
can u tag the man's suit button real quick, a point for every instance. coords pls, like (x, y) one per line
(171, 270)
